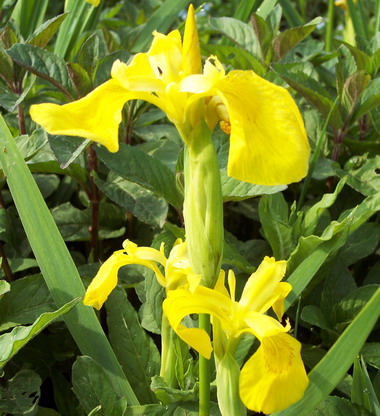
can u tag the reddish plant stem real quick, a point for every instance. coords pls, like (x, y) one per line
(338, 140)
(94, 196)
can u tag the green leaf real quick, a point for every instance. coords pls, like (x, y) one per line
(274, 218)
(353, 89)
(93, 388)
(169, 395)
(143, 203)
(30, 145)
(288, 39)
(88, 55)
(160, 20)
(337, 406)
(28, 299)
(44, 64)
(239, 32)
(315, 316)
(314, 213)
(74, 223)
(362, 392)
(5, 287)
(136, 351)
(80, 78)
(133, 164)
(174, 409)
(41, 36)
(371, 354)
(22, 393)
(312, 91)
(235, 190)
(57, 267)
(6, 66)
(11, 342)
(370, 99)
(331, 369)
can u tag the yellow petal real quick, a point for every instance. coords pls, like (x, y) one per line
(259, 291)
(274, 377)
(282, 291)
(191, 52)
(260, 325)
(105, 280)
(268, 142)
(181, 302)
(96, 116)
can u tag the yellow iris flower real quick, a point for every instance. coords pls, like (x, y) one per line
(177, 270)
(274, 377)
(268, 143)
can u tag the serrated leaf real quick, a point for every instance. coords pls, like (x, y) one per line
(13, 341)
(30, 145)
(136, 351)
(28, 299)
(94, 389)
(80, 78)
(88, 55)
(44, 64)
(41, 36)
(67, 149)
(288, 39)
(6, 66)
(143, 203)
(133, 164)
(353, 89)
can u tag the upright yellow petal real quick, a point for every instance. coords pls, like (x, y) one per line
(259, 292)
(268, 144)
(191, 52)
(274, 377)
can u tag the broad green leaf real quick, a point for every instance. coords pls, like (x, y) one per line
(168, 395)
(239, 32)
(265, 8)
(57, 268)
(10, 343)
(6, 66)
(44, 64)
(235, 190)
(143, 203)
(174, 409)
(312, 91)
(351, 305)
(5, 287)
(93, 388)
(370, 99)
(88, 55)
(314, 213)
(133, 164)
(30, 145)
(334, 365)
(160, 20)
(371, 354)
(274, 218)
(67, 149)
(353, 89)
(81, 79)
(136, 351)
(288, 39)
(365, 178)
(41, 36)
(21, 394)
(338, 406)
(28, 299)
(315, 316)
(74, 223)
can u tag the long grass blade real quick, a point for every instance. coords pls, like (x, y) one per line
(55, 262)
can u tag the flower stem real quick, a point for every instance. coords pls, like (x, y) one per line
(168, 356)
(204, 372)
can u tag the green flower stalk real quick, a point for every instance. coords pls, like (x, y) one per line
(203, 206)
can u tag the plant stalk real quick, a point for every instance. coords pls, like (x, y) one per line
(204, 372)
